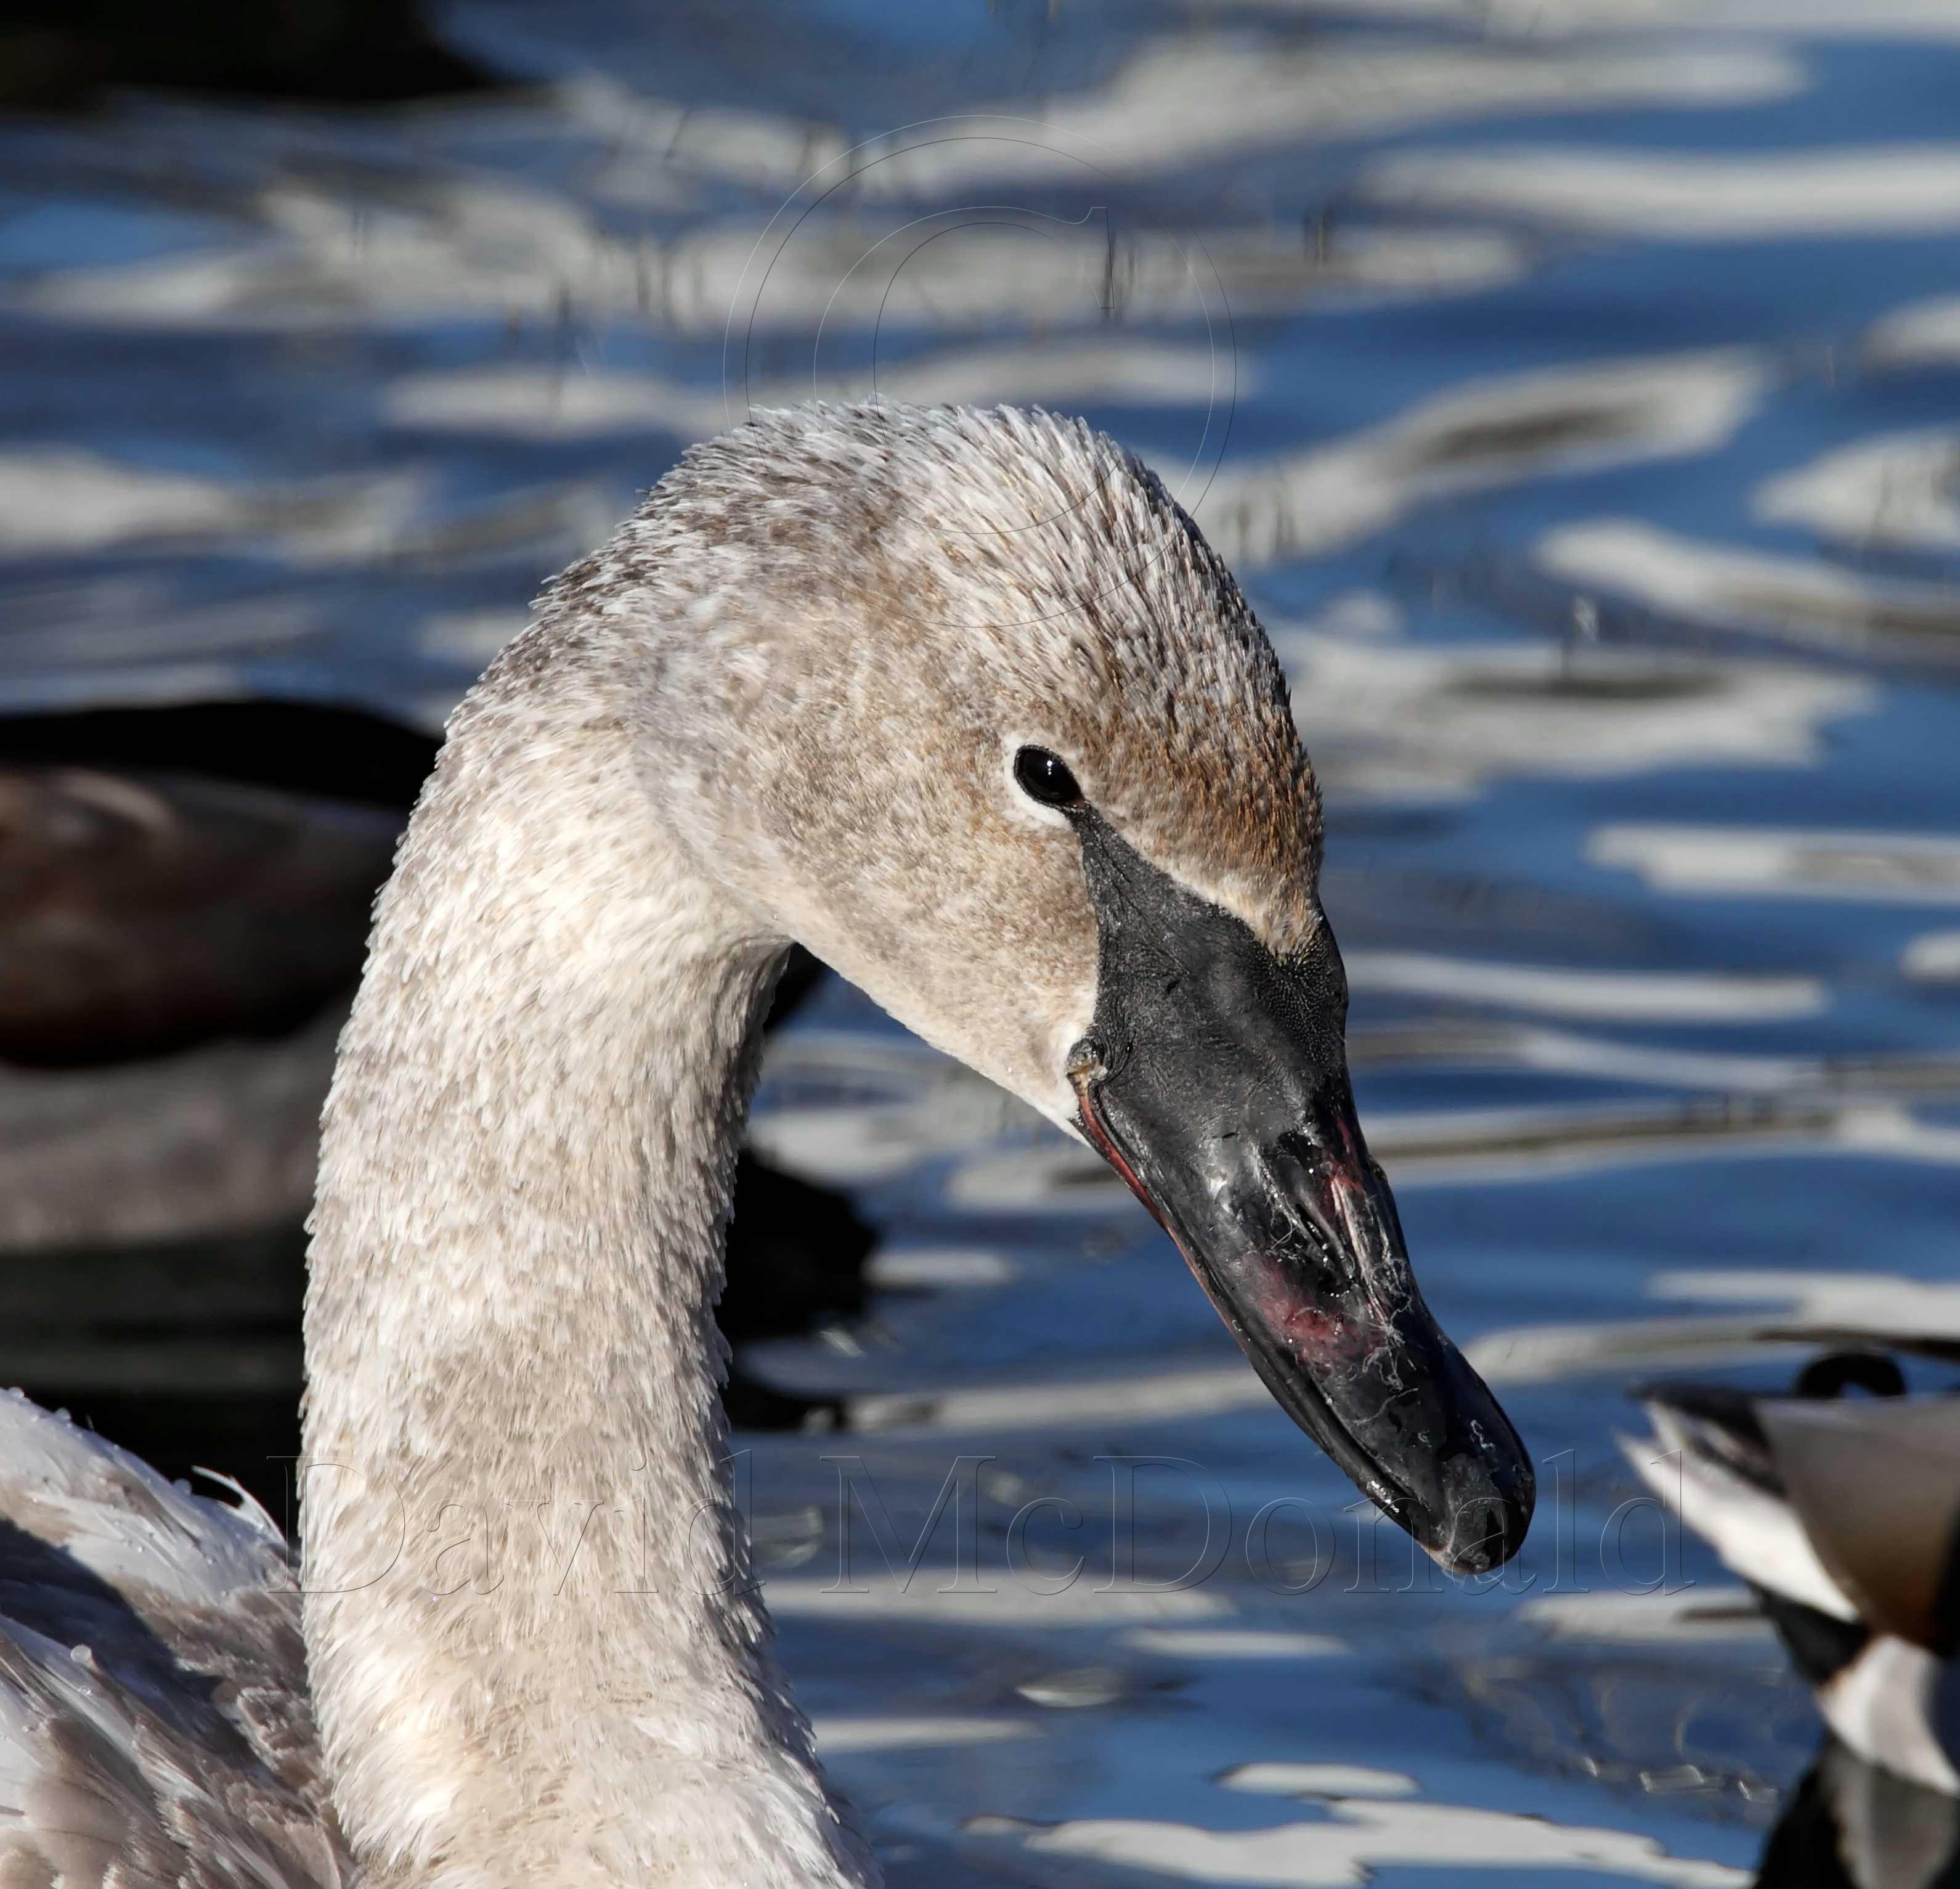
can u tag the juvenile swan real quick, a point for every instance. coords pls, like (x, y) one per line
(963, 702)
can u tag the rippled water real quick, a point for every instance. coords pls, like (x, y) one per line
(1575, 383)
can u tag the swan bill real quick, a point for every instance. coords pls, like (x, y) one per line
(1213, 1080)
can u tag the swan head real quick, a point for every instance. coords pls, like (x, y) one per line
(965, 703)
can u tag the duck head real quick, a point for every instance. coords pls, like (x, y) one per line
(966, 703)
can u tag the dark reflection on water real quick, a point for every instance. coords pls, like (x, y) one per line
(1577, 388)
(1851, 1826)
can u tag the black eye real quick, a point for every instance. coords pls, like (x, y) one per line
(1044, 777)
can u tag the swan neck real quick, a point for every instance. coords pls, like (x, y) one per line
(537, 1652)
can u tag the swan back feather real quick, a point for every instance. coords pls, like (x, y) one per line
(155, 1725)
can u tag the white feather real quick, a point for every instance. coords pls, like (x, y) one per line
(1757, 1535)
(1884, 1707)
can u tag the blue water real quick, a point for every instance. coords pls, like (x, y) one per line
(310, 403)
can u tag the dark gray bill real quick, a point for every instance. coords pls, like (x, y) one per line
(1214, 1081)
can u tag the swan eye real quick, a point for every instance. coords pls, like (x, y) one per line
(1045, 777)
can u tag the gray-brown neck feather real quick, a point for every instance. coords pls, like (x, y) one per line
(535, 1652)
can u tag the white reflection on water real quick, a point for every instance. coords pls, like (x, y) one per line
(1805, 600)
(1705, 197)
(1571, 1052)
(1922, 334)
(1379, 1826)
(556, 403)
(64, 500)
(1899, 488)
(937, 1269)
(56, 638)
(1537, 19)
(1480, 434)
(1794, 1308)
(1279, 1779)
(1174, 100)
(63, 503)
(1634, 996)
(330, 260)
(1907, 868)
(1198, 97)
(1227, 1642)
(1934, 956)
(1052, 1403)
(1393, 719)
(1009, 1607)
(835, 1736)
(1701, 1613)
